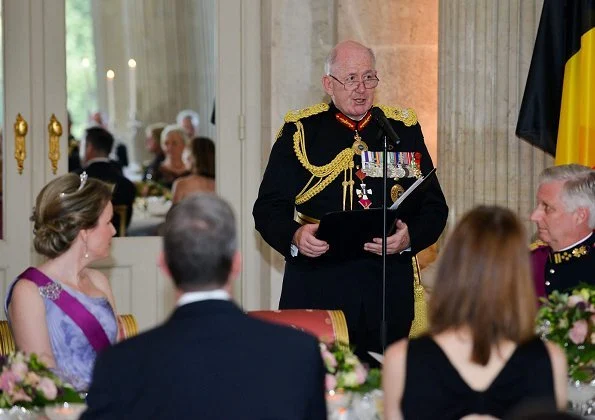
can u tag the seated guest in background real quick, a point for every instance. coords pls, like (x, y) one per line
(209, 360)
(120, 151)
(98, 143)
(63, 310)
(565, 219)
(202, 178)
(74, 157)
(153, 146)
(481, 356)
(173, 143)
(188, 120)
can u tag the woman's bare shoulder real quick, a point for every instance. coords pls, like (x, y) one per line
(24, 287)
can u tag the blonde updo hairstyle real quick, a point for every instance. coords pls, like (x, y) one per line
(62, 210)
(175, 129)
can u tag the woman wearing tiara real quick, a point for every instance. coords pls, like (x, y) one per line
(62, 310)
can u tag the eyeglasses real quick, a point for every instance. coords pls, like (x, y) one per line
(370, 81)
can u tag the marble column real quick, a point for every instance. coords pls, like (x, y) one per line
(296, 37)
(485, 52)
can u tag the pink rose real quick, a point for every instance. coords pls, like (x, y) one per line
(20, 395)
(19, 369)
(578, 333)
(573, 300)
(330, 382)
(361, 374)
(7, 381)
(48, 388)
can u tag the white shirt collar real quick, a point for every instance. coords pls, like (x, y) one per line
(191, 297)
(576, 243)
(97, 159)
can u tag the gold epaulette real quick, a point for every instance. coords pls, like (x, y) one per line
(537, 244)
(407, 116)
(295, 116)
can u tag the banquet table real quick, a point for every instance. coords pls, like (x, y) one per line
(148, 215)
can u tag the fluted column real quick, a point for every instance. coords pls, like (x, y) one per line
(485, 52)
(296, 37)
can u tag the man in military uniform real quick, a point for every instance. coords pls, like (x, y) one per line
(327, 158)
(565, 218)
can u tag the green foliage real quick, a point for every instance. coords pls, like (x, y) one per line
(81, 83)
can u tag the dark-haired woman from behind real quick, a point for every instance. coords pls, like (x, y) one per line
(481, 358)
(202, 178)
(63, 310)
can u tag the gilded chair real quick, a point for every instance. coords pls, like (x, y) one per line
(122, 211)
(127, 324)
(327, 325)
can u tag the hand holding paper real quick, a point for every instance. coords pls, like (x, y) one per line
(397, 242)
(307, 243)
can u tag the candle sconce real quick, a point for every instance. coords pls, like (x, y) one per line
(55, 132)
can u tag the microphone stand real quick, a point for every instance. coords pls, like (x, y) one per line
(383, 327)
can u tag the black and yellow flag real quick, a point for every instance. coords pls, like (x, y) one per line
(558, 109)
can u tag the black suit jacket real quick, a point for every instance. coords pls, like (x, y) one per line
(124, 190)
(210, 361)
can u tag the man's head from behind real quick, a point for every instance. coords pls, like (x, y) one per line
(200, 244)
(565, 211)
(98, 143)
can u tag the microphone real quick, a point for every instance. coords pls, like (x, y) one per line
(380, 118)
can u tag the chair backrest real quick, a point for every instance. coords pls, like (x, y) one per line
(327, 325)
(127, 323)
(122, 211)
(6, 341)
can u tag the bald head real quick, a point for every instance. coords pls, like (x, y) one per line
(346, 49)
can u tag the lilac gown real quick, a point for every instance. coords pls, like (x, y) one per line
(73, 354)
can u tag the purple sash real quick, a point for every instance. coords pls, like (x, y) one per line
(73, 308)
(538, 259)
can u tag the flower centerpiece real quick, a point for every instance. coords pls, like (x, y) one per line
(345, 372)
(346, 376)
(151, 188)
(27, 382)
(568, 319)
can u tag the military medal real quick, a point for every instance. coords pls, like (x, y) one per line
(362, 192)
(400, 172)
(359, 146)
(416, 165)
(396, 191)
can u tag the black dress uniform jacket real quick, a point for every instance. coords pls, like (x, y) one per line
(563, 270)
(354, 286)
